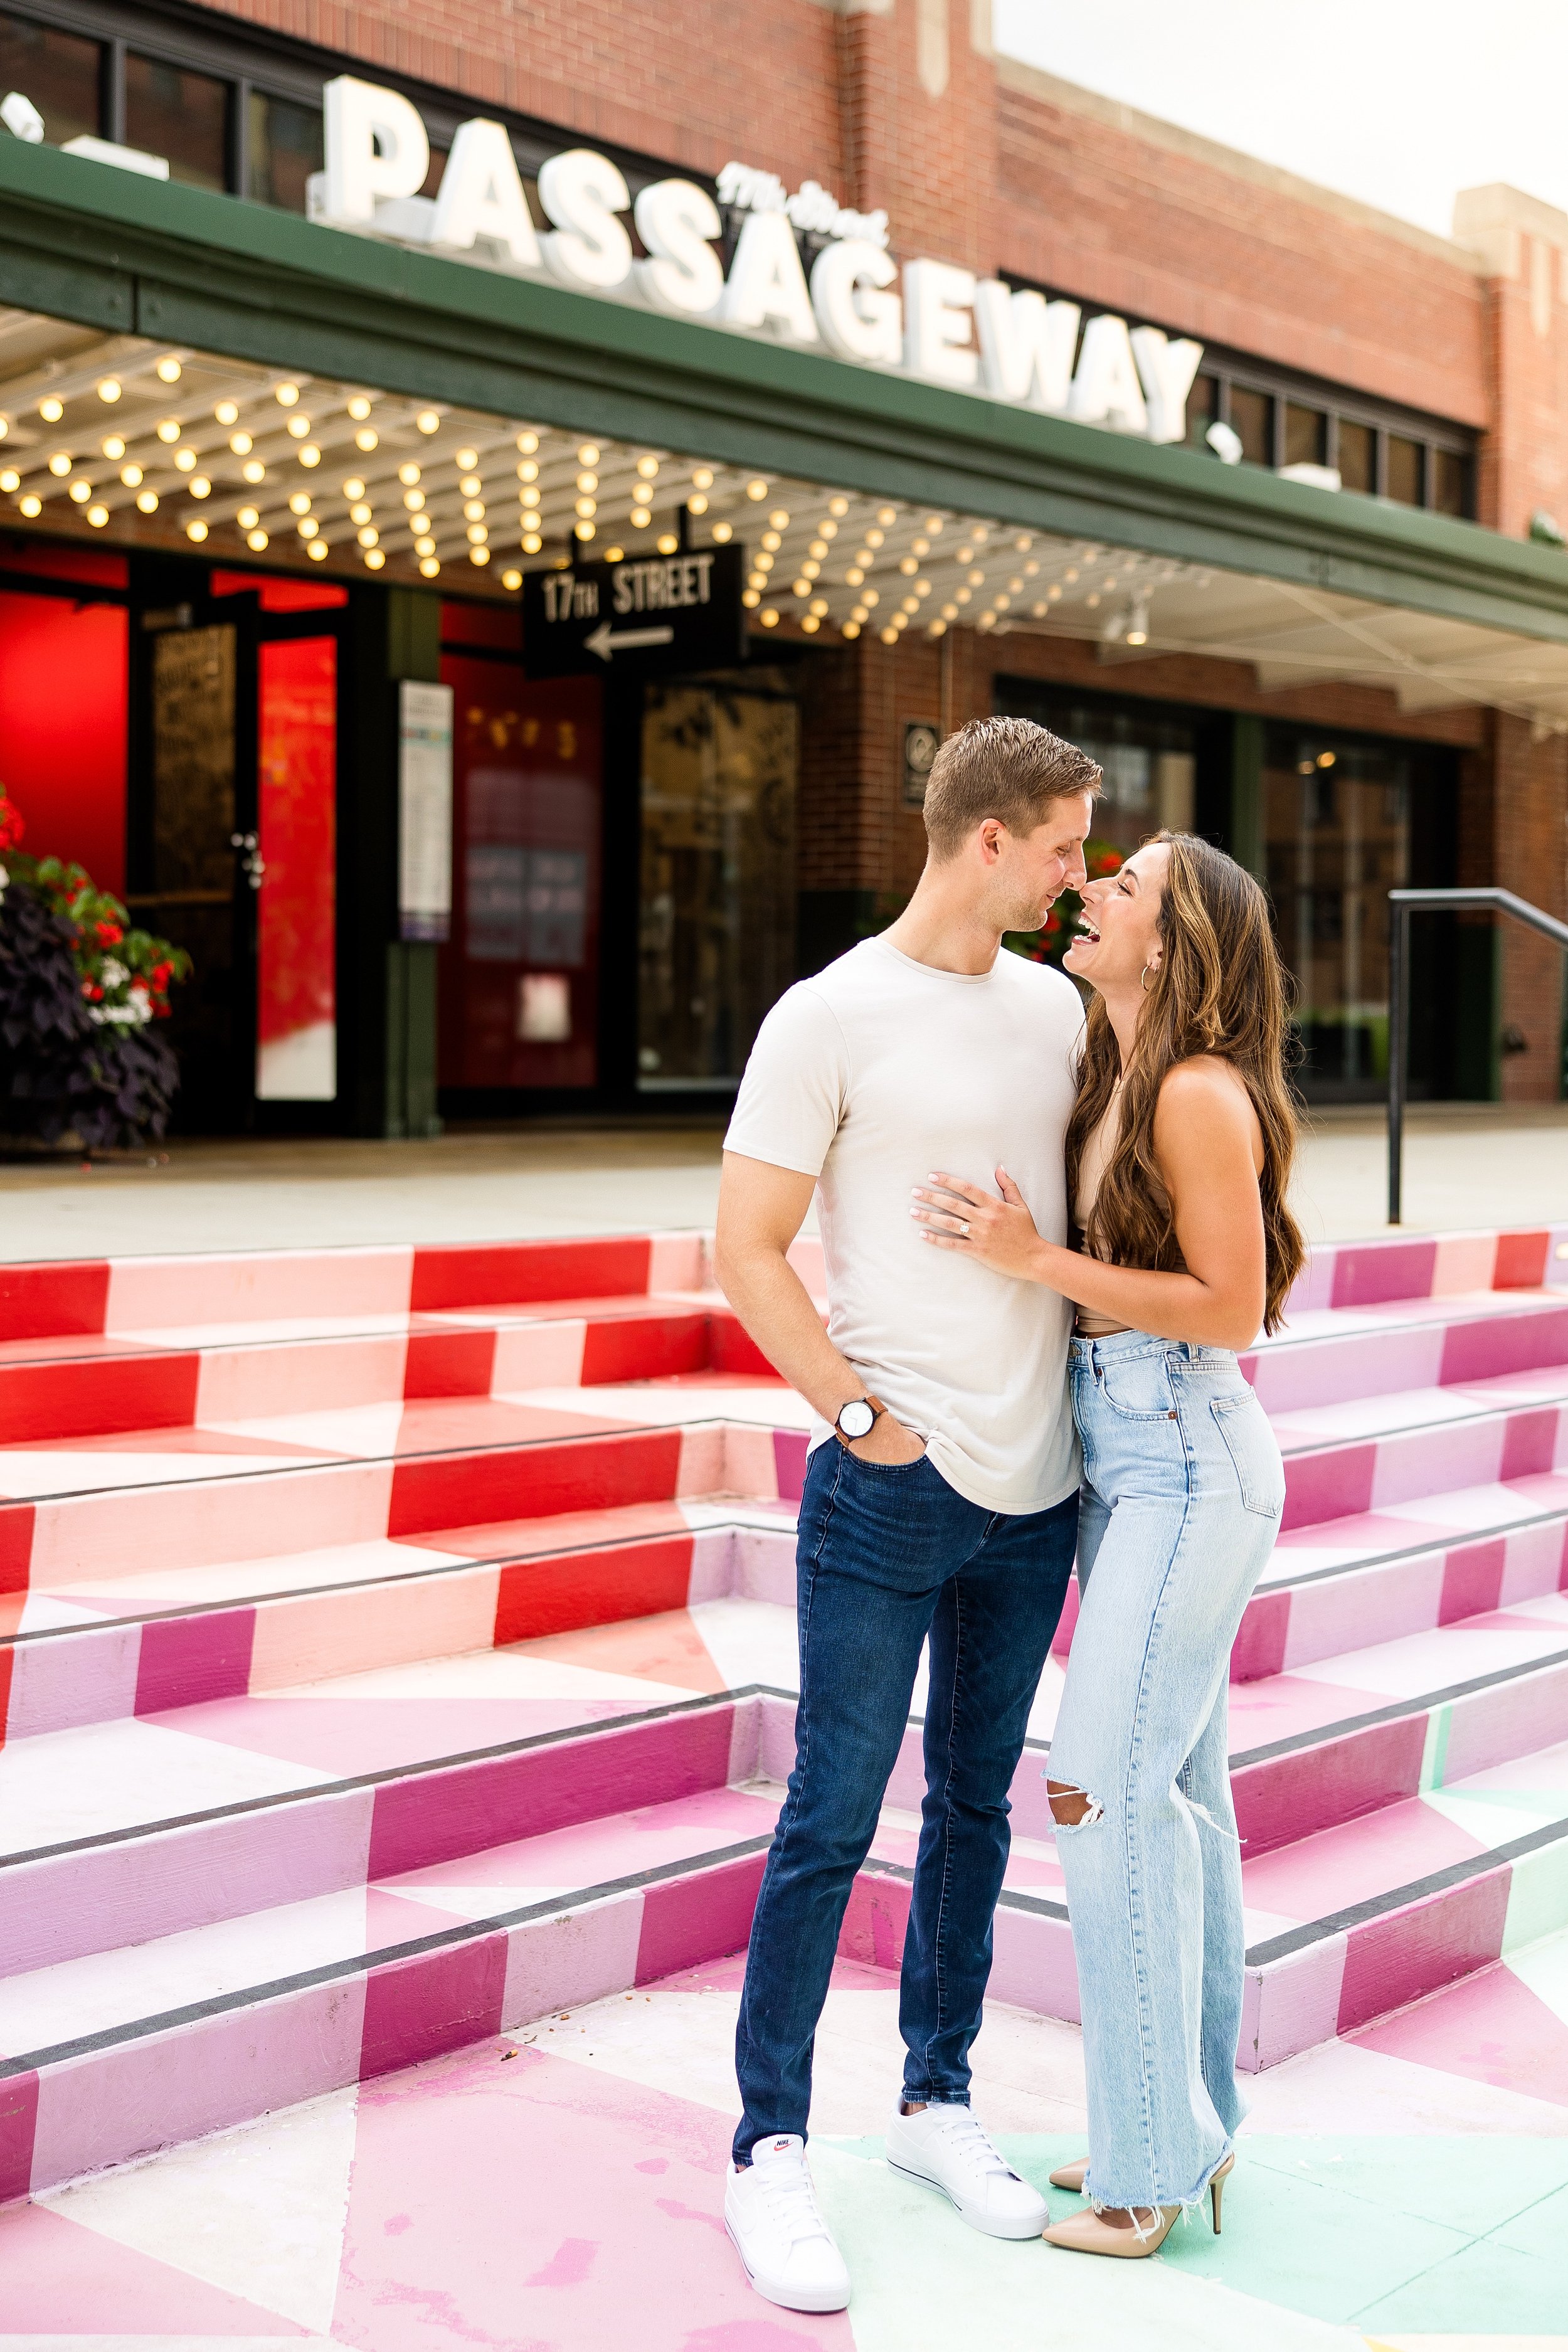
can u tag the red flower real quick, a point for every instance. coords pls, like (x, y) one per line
(109, 935)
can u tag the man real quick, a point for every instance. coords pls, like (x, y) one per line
(941, 1485)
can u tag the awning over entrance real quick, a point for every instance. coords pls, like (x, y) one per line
(179, 368)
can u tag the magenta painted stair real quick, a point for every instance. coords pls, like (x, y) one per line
(399, 1644)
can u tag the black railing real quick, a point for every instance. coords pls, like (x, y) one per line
(1403, 904)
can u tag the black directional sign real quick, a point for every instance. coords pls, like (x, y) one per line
(647, 612)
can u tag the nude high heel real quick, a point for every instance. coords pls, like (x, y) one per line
(1089, 2234)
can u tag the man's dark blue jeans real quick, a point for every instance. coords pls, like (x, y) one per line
(886, 1556)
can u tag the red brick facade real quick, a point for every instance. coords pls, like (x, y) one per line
(901, 103)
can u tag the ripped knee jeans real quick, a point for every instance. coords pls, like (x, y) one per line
(1182, 1493)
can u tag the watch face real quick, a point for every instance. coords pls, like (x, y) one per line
(857, 1419)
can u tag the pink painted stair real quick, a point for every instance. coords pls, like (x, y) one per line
(222, 1904)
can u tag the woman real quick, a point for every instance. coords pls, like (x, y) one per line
(1179, 1155)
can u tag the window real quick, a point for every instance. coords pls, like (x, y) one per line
(1358, 457)
(1450, 482)
(283, 148)
(1305, 435)
(182, 115)
(1203, 408)
(60, 74)
(1252, 418)
(1405, 470)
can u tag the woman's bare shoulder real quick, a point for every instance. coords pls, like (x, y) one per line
(1207, 1094)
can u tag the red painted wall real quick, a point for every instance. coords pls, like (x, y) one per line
(62, 729)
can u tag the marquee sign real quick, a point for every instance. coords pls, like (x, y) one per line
(932, 319)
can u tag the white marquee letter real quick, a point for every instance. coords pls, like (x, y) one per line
(675, 220)
(937, 299)
(858, 319)
(582, 192)
(481, 195)
(1106, 389)
(1026, 345)
(766, 285)
(376, 147)
(1167, 370)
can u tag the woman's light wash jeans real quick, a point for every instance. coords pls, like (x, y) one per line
(1182, 1497)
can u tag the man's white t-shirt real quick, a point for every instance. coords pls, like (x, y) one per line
(872, 1077)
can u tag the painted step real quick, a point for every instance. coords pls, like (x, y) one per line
(54, 1390)
(97, 1650)
(442, 1943)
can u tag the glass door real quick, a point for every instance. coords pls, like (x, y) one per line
(293, 862)
(717, 938)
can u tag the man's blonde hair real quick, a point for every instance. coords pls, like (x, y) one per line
(1008, 769)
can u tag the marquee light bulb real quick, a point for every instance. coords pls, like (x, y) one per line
(130, 476)
(201, 488)
(366, 438)
(887, 516)
(256, 541)
(466, 460)
(470, 486)
(429, 567)
(779, 518)
(427, 421)
(248, 518)
(185, 459)
(360, 512)
(300, 502)
(286, 395)
(531, 543)
(409, 473)
(60, 463)
(310, 455)
(10, 479)
(51, 411)
(528, 471)
(110, 389)
(169, 369)
(526, 443)
(196, 530)
(254, 470)
(168, 428)
(299, 426)
(839, 506)
(511, 580)
(32, 504)
(587, 481)
(97, 516)
(359, 407)
(756, 489)
(147, 501)
(702, 479)
(698, 505)
(668, 542)
(114, 448)
(241, 444)
(723, 532)
(226, 413)
(588, 455)
(649, 466)
(354, 487)
(317, 550)
(81, 492)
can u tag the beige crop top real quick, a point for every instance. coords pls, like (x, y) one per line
(1097, 1151)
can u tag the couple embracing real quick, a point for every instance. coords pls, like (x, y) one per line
(990, 1402)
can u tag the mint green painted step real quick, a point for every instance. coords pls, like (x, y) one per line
(1351, 2236)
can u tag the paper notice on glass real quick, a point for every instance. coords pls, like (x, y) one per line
(425, 810)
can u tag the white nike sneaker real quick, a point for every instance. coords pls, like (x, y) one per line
(770, 2211)
(946, 2147)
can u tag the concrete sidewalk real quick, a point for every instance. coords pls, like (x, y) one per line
(1466, 1165)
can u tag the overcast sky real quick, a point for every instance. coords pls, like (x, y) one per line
(1400, 102)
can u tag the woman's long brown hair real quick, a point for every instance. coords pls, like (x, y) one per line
(1221, 990)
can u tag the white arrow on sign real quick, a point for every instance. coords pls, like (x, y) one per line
(605, 642)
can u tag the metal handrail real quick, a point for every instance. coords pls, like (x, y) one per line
(1403, 904)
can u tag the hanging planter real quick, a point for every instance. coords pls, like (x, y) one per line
(80, 993)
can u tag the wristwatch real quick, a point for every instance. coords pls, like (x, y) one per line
(858, 1418)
